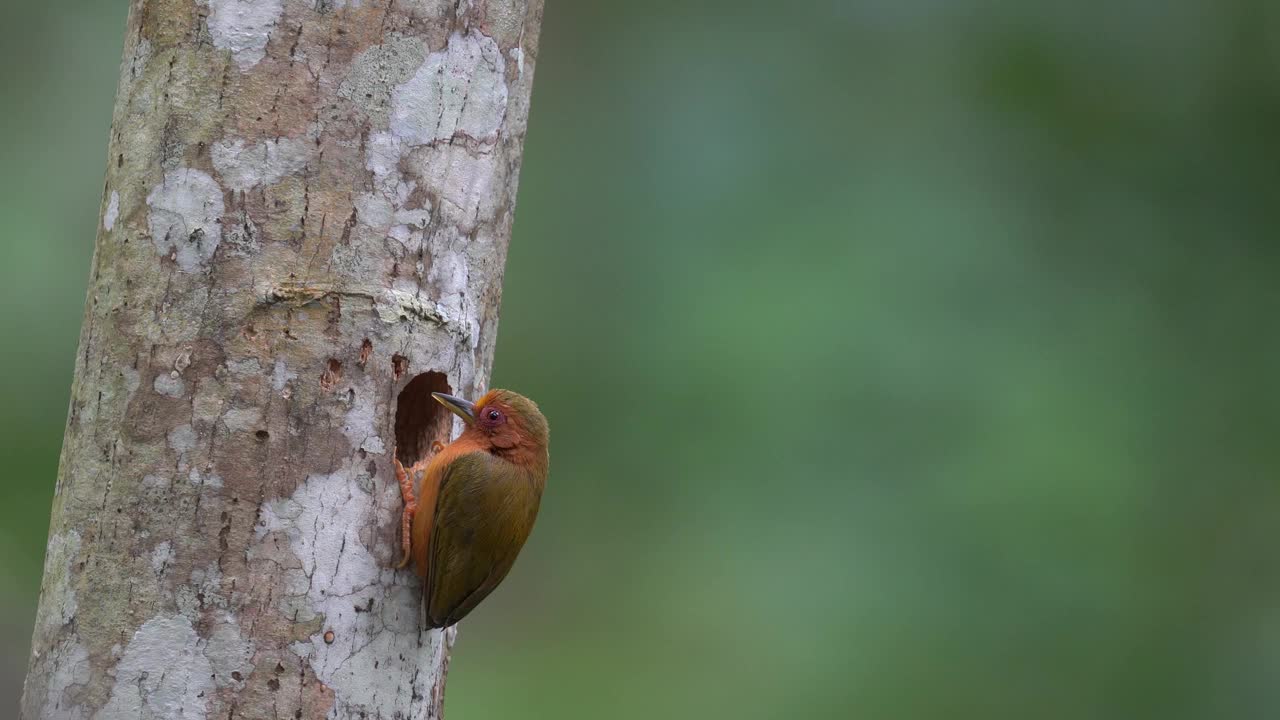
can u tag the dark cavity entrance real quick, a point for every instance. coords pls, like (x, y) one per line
(420, 419)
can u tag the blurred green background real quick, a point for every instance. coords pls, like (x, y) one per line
(906, 358)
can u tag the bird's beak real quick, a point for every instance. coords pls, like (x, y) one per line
(457, 406)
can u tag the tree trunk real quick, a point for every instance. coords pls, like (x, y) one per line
(304, 225)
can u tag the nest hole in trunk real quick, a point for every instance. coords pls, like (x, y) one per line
(420, 419)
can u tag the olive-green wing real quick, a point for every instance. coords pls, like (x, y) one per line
(484, 513)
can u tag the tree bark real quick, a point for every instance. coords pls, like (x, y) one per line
(304, 226)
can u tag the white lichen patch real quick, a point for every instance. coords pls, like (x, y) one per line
(459, 90)
(203, 591)
(208, 400)
(375, 677)
(280, 379)
(376, 71)
(243, 27)
(381, 154)
(132, 379)
(394, 305)
(170, 385)
(293, 602)
(374, 662)
(441, 135)
(71, 668)
(138, 60)
(161, 557)
(467, 183)
(375, 210)
(387, 214)
(113, 212)
(359, 424)
(322, 521)
(163, 673)
(185, 217)
(242, 166)
(228, 652)
(242, 419)
(517, 54)
(182, 439)
(198, 479)
(244, 367)
(58, 597)
(450, 274)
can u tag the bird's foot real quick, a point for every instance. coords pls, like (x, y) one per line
(410, 507)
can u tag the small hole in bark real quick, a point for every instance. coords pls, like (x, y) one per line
(332, 374)
(366, 351)
(399, 365)
(420, 419)
(262, 434)
(237, 676)
(328, 637)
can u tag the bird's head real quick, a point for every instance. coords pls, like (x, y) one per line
(507, 422)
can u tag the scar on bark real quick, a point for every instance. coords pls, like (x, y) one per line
(422, 429)
(332, 374)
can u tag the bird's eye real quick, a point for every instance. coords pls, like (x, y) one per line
(494, 414)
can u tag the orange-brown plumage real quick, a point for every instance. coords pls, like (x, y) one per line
(475, 502)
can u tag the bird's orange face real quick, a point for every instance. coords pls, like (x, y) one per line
(495, 419)
(502, 420)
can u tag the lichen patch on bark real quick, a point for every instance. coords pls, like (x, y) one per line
(71, 671)
(230, 654)
(59, 592)
(112, 212)
(163, 673)
(170, 385)
(185, 216)
(371, 640)
(243, 166)
(376, 72)
(361, 422)
(243, 27)
(457, 92)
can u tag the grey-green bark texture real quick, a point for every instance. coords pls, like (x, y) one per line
(303, 231)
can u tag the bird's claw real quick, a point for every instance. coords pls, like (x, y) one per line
(410, 507)
(407, 479)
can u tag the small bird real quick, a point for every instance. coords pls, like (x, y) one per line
(474, 502)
